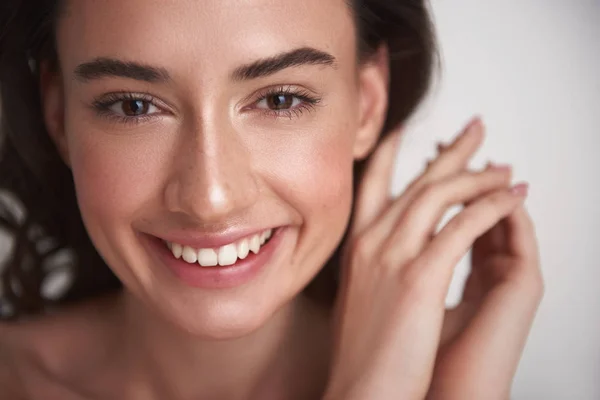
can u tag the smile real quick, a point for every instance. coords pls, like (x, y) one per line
(217, 262)
(225, 255)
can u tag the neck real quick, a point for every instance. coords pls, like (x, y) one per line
(175, 364)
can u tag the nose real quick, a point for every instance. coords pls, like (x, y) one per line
(213, 178)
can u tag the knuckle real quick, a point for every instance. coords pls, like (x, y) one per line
(416, 185)
(498, 203)
(427, 194)
(429, 190)
(536, 285)
(463, 221)
(529, 281)
(497, 200)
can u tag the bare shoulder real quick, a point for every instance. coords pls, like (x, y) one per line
(10, 377)
(47, 349)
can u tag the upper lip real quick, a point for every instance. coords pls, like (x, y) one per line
(205, 240)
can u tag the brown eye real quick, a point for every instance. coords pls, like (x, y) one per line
(132, 108)
(280, 101)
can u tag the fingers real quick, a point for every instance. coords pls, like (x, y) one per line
(416, 227)
(457, 237)
(373, 195)
(450, 162)
(521, 237)
(458, 154)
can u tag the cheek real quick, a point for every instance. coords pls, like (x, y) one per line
(113, 177)
(313, 175)
(323, 175)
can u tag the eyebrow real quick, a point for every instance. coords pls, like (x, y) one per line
(103, 67)
(272, 65)
(109, 67)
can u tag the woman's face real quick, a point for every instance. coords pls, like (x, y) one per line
(250, 119)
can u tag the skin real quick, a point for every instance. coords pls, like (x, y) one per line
(214, 159)
(211, 158)
(412, 347)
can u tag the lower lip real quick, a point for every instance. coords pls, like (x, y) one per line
(218, 277)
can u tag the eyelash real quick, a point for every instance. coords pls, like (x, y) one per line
(308, 103)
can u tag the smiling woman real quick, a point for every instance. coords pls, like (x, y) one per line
(217, 173)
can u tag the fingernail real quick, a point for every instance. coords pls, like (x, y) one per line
(441, 147)
(499, 167)
(520, 189)
(477, 120)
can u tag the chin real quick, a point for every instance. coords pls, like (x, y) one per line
(221, 318)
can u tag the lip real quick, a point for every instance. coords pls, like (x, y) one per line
(218, 277)
(201, 240)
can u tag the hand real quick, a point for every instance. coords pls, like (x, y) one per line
(391, 306)
(484, 336)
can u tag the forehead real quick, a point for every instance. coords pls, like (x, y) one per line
(200, 33)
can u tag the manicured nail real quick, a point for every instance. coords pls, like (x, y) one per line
(520, 189)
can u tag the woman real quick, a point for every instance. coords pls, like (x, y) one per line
(213, 153)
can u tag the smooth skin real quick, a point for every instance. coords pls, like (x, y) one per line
(392, 328)
(391, 353)
(213, 157)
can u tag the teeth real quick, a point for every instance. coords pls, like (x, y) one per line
(189, 255)
(243, 249)
(207, 257)
(228, 255)
(224, 255)
(177, 250)
(263, 237)
(254, 244)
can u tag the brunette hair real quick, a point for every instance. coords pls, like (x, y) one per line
(38, 207)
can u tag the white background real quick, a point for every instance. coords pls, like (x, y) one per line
(532, 70)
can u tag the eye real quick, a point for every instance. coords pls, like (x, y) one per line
(126, 107)
(279, 101)
(285, 101)
(132, 108)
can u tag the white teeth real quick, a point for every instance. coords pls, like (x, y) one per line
(224, 255)
(177, 250)
(207, 257)
(189, 255)
(243, 249)
(227, 255)
(254, 244)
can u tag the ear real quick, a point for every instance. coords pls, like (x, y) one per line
(373, 81)
(52, 101)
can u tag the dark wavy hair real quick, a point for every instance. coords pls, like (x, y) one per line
(49, 247)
